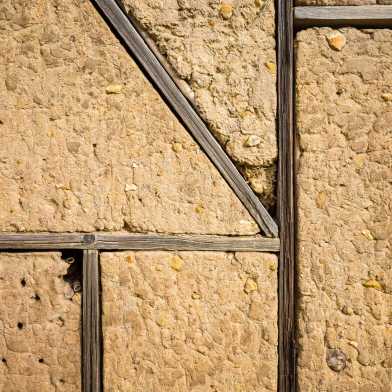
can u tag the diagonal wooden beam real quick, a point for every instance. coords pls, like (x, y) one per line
(138, 48)
(91, 324)
(286, 198)
(371, 16)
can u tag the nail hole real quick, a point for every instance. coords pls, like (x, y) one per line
(37, 297)
(4, 360)
(61, 381)
(41, 360)
(23, 282)
(20, 325)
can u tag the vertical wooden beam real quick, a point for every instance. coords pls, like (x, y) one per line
(91, 334)
(286, 198)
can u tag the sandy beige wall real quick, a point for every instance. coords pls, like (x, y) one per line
(344, 117)
(39, 325)
(189, 321)
(223, 53)
(87, 144)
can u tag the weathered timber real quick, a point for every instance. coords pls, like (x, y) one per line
(128, 241)
(45, 241)
(138, 48)
(91, 324)
(286, 197)
(358, 16)
(187, 242)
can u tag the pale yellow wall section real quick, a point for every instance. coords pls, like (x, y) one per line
(189, 321)
(344, 121)
(87, 144)
(39, 325)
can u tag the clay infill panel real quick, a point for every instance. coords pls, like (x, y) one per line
(182, 321)
(85, 132)
(344, 209)
(39, 324)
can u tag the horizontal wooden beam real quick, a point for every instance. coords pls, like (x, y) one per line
(356, 16)
(124, 241)
(188, 242)
(181, 107)
(46, 241)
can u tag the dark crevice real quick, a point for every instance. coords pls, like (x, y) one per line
(74, 258)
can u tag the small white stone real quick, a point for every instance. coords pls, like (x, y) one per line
(130, 187)
(252, 141)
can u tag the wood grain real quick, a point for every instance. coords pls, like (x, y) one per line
(47, 241)
(137, 47)
(91, 324)
(286, 197)
(187, 242)
(359, 16)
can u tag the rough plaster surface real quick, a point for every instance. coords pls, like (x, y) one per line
(190, 321)
(344, 119)
(86, 143)
(223, 52)
(39, 325)
(343, 2)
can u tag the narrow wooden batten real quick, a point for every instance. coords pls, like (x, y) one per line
(286, 198)
(372, 16)
(124, 241)
(91, 324)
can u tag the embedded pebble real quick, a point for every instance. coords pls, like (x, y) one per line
(176, 263)
(336, 40)
(372, 284)
(250, 285)
(252, 141)
(130, 187)
(114, 89)
(336, 360)
(226, 10)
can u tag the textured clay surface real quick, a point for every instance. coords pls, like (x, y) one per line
(86, 143)
(344, 120)
(39, 325)
(223, 54)
(343, 2)
(190, 321)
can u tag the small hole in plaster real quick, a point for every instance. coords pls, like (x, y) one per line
(23, 282)
(20, 325)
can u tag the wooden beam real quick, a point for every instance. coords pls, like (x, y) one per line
(91, 324)
(286, 197)
(45, 241)
(358, 16)
(138, 48)
(187, 242)
(48, 241)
